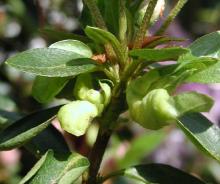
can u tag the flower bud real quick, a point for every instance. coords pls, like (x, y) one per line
(154, 110)
(84, 91)
(76, 116)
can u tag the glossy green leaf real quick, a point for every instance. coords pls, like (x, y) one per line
(55, 35)
(46, 88)
(56, 168)
(52, 62)
(141, 147)
(37, 145)
(204, 134)
(23, 130)
(192, 102)
(73, 46)
(163, 54)
(158, 173)
(208, 45)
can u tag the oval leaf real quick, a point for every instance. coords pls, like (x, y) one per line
(73, 46)
(208, 45)
(65, 169)
(26, 128)
(204, 134)
(163, 54)
(52, 62)
(158, 173)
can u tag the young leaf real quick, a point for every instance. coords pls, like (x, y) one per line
(158, 173)
(104, 37)
(192, 102)
(60, 169)
(52, 62)
(26, 128)
(204, 134)
(141, 147)
(163, 54)
(46, 88)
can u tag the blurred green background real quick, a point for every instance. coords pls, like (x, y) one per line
(26, 24)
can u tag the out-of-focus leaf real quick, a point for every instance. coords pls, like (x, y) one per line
(56, 168)
(46, 88)
(163, 54)
(55, 35)
(192, 102)
(7, 118)
(159, 173)
(141, 147)
(111, 15)
(26, 128)
(6, 103)
(52, 62)
(204, 134)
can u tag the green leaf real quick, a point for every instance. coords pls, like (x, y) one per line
(163, 54)
(208, 45)
(34, 169)
(192, 102)
(188, 61)
(104, 37)
(55, 141)
(55, 35)
(158, 173)
(52, 62)
(25, 129)
(141, 147)
(60, 169)
(38, 146)
(111, 15)
(204, 134)
(46, 88)
(73, 46)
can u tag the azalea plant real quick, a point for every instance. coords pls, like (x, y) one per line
(115, 67)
